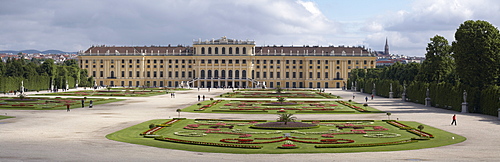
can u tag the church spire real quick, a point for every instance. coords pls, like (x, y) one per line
(386, 50)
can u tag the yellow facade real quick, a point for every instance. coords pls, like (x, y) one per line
(224, 63)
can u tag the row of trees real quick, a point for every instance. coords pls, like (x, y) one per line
(41, 75)
(470, 63)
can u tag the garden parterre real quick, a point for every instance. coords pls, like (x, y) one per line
(42, 103)
(237, 134)
(286, 94)
(268, 106)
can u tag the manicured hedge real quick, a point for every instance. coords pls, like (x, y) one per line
(366, 145)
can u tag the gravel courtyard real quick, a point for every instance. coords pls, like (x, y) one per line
(79, 135)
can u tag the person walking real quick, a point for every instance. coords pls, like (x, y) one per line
(372, 96)
(353, 95)
(198, 97)
(83, 103)
(366, 98)
(91, 104)
(454, 119)
(67, 108)
(203, 97)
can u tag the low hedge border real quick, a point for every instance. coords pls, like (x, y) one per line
(367, 145)
(283, 128)
(339, 120)
(208, 143)
(231, 120)
(323, 111)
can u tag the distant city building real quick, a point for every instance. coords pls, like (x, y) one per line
(386, 49)
(384, 58)
(224, 62)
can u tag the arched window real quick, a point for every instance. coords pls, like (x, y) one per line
(216, 50)
(202, 73)
(244, 50)
(216, 73)
(338, 75)
(209, 50)
(202, 50)
(244, 74)
(236, 73)
(230, 50)
(223, 50)
(237, 50)
(209, 73)
(112, 74)
(223, 73)
(230, 74)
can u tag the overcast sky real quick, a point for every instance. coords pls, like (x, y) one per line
(73, 25)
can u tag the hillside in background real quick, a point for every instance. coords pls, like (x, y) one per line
(37, 51)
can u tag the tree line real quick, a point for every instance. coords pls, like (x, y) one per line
(39, 74)
(471, 63)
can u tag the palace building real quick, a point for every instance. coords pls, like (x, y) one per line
(224, 62)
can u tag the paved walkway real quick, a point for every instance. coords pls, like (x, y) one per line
(79, 135)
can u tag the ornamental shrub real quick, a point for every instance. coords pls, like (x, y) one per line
(151, 126)
(420, 127)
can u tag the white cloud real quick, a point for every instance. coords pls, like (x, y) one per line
(75, 25)
(409, 31)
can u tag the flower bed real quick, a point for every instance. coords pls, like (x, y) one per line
(209, 143)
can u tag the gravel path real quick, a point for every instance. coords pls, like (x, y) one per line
(79, 135)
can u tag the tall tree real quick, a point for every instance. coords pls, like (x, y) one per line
(438, 62)
(477, 53)
(2, 68)
(14, 68)
(30, 70)
(48, 68)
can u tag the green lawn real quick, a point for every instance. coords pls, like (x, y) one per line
(273, 107)
(5, 117)
(42, 103)
(111, 93)
(132, 135)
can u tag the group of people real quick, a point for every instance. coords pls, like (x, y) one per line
(199, 97)
(91, 104)
(366, 98)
